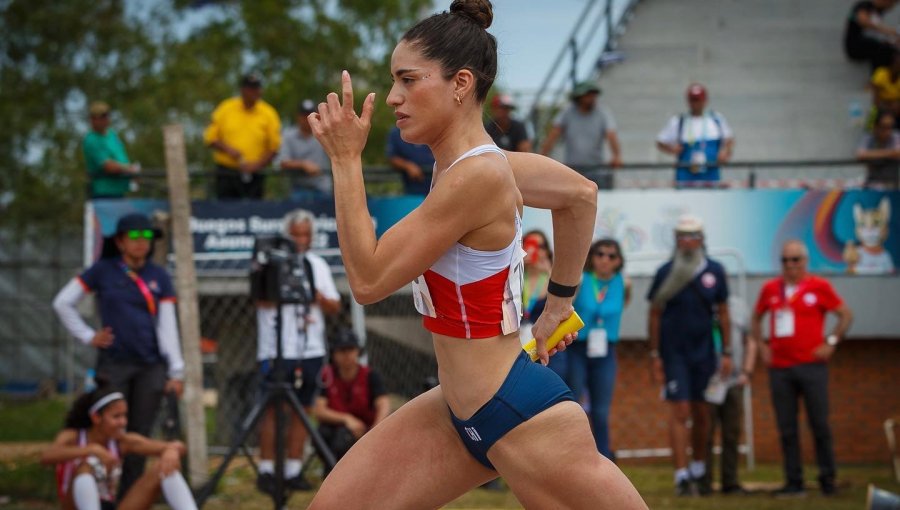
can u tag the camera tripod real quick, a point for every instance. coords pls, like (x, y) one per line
(276, 392)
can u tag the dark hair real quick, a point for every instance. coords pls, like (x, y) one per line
(78, 416)
(545, 243)
(606, 242)
(458, 39)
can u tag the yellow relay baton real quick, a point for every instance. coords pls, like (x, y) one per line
(570, 325)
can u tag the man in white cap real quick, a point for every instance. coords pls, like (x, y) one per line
(689, 333)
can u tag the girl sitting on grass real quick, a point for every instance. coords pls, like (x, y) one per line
(88, 453)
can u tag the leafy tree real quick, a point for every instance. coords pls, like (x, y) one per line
(171, 61)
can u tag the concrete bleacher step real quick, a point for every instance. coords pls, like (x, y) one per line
(774, 68)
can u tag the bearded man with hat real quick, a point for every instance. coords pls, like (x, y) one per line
(689, 332)
(700, 140)
(584, 126)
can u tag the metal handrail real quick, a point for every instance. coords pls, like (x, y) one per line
(575, 50)
(377, 175)
(375, 170)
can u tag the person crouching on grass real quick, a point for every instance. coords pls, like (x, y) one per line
(88, 454)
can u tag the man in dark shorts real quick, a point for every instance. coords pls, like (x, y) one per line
(689, 300)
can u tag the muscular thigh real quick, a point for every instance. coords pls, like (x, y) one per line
(551, 461)
(414, 459)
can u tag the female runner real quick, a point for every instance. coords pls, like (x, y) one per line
(494, 411)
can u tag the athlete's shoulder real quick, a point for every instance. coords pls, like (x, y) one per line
(483, 171)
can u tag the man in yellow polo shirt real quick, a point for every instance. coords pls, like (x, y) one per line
(245, 134)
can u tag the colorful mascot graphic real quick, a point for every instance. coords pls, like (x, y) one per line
(867, 254)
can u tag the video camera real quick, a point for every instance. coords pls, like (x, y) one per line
(278, 273)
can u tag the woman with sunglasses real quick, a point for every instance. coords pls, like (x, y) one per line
(88, 453)
(602, 297)
(138, 348)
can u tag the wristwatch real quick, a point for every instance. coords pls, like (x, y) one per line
(832, 340)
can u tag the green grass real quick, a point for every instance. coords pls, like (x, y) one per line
(30, 485)
(32, 420)
(655, 485)
(26, 479)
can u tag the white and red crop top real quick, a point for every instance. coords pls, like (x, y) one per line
(471, 293)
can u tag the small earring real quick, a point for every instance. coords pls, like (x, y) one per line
(458, 100)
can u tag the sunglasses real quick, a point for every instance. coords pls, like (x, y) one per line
(792, 260)
(606, 254)
(140, 234)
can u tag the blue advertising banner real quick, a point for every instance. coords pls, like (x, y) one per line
(846, 231)
(223, 232)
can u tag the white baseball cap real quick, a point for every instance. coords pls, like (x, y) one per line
(689, 224)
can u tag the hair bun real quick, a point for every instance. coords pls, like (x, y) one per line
(481, 12)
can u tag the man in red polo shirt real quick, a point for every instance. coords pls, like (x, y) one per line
(797, 353)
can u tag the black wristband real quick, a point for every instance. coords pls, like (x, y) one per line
(559, 290)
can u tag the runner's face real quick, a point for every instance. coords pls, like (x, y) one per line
(421, 98)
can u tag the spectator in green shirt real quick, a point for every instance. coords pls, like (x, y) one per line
(109, 169)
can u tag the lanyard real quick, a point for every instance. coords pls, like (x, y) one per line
(690, 137)
(599, 292)
(798, 290)
(599, 295)
(145, 291)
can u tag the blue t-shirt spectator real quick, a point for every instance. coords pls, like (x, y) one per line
(416, 154)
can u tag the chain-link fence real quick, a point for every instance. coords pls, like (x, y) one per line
(396, 346)
(36, 355)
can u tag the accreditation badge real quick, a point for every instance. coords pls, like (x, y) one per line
(422, 297)
(597, 343)
(784, 323)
